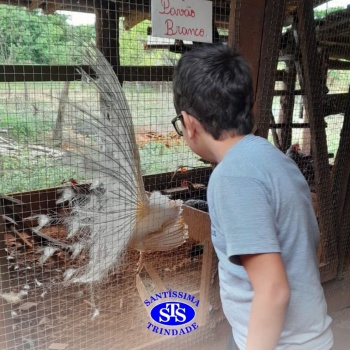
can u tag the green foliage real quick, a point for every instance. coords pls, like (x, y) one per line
(338, 81)
(31, 37)
(24, 173)
(319, 14)
(25, 127)
(157, 158)
(132, 50)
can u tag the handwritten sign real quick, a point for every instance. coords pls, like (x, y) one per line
(182, 19)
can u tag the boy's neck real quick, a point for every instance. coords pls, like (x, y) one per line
(221, 147)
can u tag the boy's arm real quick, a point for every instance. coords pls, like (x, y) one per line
(268, 277)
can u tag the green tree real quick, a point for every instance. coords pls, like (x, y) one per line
(132, 50)
(319, 14)
(31, 37)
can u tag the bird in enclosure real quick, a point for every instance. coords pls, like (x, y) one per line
(115, 211)
(199, 204)
(304, 162)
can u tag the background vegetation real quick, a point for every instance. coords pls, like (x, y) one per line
(28, 111)
(33, 38)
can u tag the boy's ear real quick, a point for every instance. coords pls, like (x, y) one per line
(190, 124)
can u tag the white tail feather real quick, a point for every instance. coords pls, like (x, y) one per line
(117, 211)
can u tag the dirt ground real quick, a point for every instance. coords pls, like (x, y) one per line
(111, 315)
(341, 329)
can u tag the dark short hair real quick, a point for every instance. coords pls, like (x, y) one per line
(213, 83)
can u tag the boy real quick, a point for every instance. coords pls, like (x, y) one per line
(264, 229)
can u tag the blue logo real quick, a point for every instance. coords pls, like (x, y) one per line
(173, 313)
(171, 316)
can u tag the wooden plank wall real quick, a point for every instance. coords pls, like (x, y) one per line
(314, 106)
(6, 330)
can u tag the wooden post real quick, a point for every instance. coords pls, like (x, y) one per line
(341, 188)
(6, 330)
(344, 229)
(305, 133)
(204, 292)
(272, 31)
(314, 107)
(58, 129)
(107, 33)
(275, 136)
(246, 23)
(287, 105)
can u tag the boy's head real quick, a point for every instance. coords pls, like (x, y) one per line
(213, 84)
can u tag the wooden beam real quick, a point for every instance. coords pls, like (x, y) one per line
(245, 31)
(78, 6)
(290, 125)
(204, 293)
(40, 200)
(280, 75)
(233, 26)
(340, 186)
(338, 65)
(305, 135)
(333, 26)
(291, 5)
(344, 229)
(18, 73)
(6, 330)
(283, 92)
(328, 271)
(339, 52)
(275, 137)
(287, 106)
(314, 107)
(327, 43)
(32, 73)
(107, 33)
(335, 104)
(270, 42)
(324, 60)
(149, 73)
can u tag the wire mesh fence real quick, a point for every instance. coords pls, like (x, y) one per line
(63, 130)
(68, 146)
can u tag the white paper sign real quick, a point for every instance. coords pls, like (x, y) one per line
(182, 19)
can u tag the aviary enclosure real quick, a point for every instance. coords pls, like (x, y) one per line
(86, 141)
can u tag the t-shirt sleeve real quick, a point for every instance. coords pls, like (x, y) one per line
(245, 216)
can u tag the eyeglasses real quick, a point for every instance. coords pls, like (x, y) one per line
(178, 123)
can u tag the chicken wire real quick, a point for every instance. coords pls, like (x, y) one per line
(52, 112)
(38, 127)
(306, 78)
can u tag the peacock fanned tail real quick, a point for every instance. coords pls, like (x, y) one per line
(116, 211)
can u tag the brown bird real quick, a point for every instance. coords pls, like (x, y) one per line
(304, 162)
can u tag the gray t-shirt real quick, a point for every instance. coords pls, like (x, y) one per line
(259, 202)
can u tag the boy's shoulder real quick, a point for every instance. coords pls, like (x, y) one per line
(255, 158)
(253, 154)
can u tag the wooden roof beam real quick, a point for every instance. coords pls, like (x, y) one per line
(336, 23)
